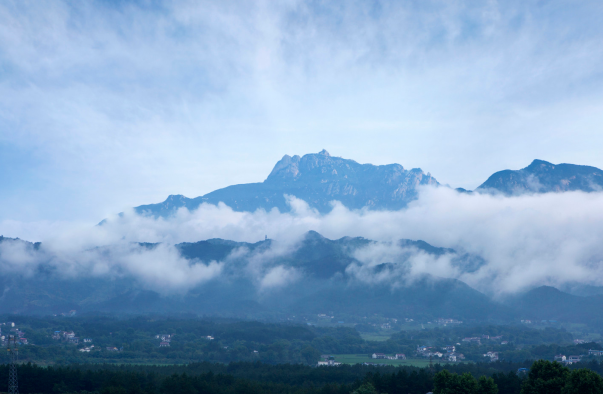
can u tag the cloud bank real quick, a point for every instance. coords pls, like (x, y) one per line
(525, 241)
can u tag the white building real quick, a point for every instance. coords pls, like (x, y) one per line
(574, 359)
(328, 363)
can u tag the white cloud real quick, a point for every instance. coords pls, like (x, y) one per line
(279, 276)
(18, 257)
(526, 241)
(391, 263)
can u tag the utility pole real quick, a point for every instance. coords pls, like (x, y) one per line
(13, 354)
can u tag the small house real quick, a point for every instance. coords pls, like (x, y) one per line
(574, 359)
(328, 363)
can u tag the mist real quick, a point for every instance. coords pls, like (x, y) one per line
(525, 241)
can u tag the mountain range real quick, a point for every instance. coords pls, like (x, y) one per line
(321, 275)
(319, 179)
(330, 278)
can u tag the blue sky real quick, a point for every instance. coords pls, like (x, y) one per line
(108, 105)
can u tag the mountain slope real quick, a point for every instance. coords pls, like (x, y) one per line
(543, 177)
(549, 303)
(317, 179)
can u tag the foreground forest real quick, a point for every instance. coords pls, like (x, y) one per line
(250, 378)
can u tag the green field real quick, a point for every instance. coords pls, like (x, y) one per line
(364, 358)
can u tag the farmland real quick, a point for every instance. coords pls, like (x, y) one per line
(365, 358)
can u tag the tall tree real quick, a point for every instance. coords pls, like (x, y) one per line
(486, 386)
(366, 388)
(583, 381)
(447, 383)
(545, 377)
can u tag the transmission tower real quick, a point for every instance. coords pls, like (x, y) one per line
(13, 354)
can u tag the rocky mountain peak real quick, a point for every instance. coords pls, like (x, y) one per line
(539, 165)
(291, 168)
(287, 167)
(318, 179)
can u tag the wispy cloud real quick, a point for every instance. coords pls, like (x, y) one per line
(115, 104)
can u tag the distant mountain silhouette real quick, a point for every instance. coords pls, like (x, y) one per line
(544, 177)
(317, 179)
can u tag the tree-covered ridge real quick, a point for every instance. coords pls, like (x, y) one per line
(325, 275)
(328, 281)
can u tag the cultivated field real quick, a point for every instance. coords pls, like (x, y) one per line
(364, 358)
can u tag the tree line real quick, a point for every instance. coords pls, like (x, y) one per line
(541, 377)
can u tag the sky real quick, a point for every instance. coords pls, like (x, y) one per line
(106, 105)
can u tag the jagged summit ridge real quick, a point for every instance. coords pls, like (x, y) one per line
(318, 179)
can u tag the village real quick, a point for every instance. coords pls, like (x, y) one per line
(379, 341)
(10, 330)
(69, 337)
(489, 345)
